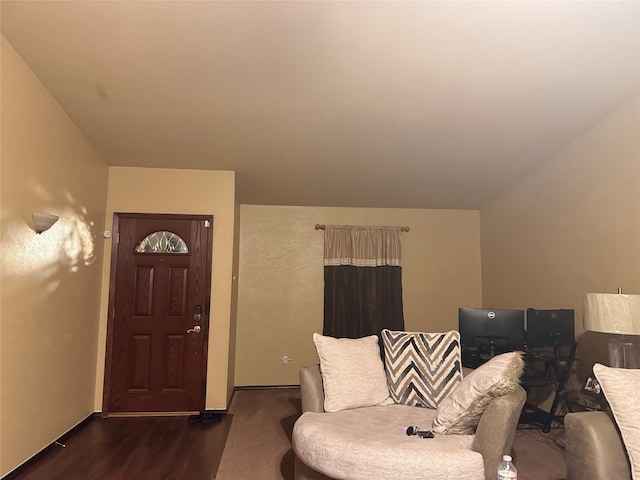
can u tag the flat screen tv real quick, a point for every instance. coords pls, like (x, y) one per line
(548, 328)
(491, 330)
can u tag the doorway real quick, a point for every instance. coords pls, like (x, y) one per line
(157, 329)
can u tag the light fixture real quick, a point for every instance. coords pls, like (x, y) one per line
(43, 221)
(619, 315)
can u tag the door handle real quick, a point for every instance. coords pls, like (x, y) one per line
(195, 329)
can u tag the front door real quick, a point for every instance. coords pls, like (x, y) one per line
(159, 299)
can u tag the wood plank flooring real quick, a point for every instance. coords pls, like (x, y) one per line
(142, 448)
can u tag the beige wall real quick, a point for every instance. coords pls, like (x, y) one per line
(572, 227)
(281, 279)
(158, 190)
(50, 290)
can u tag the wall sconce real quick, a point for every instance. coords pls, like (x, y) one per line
(43, 221)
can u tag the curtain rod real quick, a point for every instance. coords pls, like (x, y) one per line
(321, 227)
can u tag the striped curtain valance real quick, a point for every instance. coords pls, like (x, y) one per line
(361, 246)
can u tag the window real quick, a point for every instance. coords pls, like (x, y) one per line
(162, 242)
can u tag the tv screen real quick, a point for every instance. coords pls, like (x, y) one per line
(499, 330)
(547, 328)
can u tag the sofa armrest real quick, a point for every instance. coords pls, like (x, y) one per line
(496, 429)
(311, 389)
(594, 448)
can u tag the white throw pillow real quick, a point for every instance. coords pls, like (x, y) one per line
(620, 387)
(461, 411)
(352, 372)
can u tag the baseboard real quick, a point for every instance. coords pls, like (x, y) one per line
(59, 443)
(265, 387)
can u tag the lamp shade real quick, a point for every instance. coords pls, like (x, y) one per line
(612, 313)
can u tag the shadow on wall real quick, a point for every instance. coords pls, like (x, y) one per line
(69, 244)
(65, 248)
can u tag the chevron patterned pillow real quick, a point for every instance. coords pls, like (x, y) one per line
(422, 368)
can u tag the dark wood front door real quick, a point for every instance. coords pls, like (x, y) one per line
(156, 337)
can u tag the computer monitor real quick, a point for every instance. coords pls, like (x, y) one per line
(492, 331)
(548, 328)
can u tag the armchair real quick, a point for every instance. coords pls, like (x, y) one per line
(594, 449)
(493, 437)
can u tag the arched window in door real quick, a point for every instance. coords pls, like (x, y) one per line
(164, 242)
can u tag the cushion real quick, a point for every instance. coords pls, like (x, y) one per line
(422, 368)
(371, 443)
(352, 372)
(460, 412)
(620, 387)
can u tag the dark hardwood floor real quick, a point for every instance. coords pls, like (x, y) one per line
(141, 448)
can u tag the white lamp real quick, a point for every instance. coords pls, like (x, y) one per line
(619, 315)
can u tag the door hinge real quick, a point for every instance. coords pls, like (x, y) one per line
(207, 224)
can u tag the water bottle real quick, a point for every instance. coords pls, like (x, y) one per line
(507, 470)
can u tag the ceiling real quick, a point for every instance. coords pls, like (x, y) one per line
(330, 103)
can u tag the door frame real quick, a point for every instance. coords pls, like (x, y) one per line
(112, 298)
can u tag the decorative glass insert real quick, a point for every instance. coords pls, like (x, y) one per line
(162, 242)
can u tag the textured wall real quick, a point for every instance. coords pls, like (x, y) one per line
(160, 190)
(280, 300)
(50, 282)
(572, 227)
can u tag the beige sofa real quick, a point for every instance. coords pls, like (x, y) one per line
(594, 448)
(369, 442)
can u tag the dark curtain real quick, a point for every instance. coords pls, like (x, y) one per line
(361, 301)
